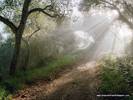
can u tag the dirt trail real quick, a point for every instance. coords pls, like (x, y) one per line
(80, 83)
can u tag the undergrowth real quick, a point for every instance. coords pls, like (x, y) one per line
(117, 77)
(10, 84)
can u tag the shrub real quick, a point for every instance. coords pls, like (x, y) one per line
(117, 76)
(3, 93)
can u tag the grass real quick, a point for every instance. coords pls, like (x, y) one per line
(51, 69)
(12, 83)
(117, 76)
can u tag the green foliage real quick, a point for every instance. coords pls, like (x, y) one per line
(117, 76)
(13, 83)
(51, 69)
(3, 93)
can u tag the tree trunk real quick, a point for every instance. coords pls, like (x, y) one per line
(16, 52)
(25, 65)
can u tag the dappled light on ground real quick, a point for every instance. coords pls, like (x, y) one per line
(87, 66)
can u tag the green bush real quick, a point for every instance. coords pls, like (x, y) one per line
(117, 76)
(3, 93)
(13, 83)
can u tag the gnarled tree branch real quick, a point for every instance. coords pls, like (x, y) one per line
(8, 23)
(43, 11)
(24, 15)
(121, 16)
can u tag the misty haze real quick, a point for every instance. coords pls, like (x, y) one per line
(66, 50)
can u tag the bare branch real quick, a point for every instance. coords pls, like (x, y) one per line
(38, 28)
(121, 16)
(129, 8)
(33, 33)
(43, 11)
(111, 4)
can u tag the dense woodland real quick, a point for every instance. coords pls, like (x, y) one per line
(43, 40)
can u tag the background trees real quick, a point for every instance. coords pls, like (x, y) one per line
(15, 15)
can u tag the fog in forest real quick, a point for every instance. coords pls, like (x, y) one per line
(66, 49)
(98, 31)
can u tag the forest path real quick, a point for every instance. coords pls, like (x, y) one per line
(79, 83)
